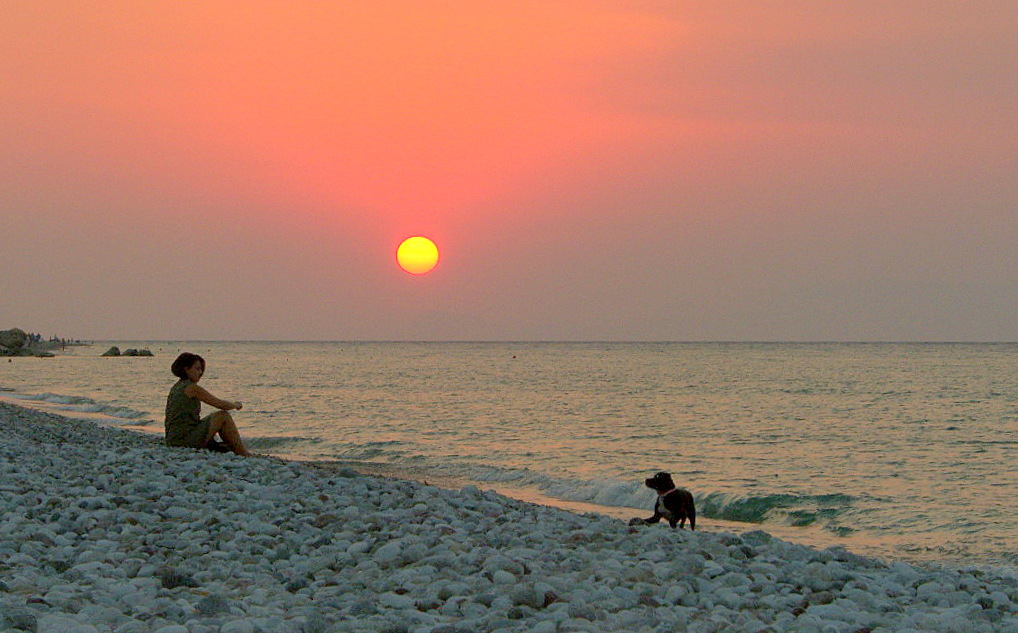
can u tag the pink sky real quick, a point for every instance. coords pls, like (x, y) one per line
(590, 170)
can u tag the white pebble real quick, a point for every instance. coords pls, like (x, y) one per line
(160, 537)
(62, 624)
(237, 626)
(502, 577)
(395, 601)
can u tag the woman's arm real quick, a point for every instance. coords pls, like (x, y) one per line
(195, 391)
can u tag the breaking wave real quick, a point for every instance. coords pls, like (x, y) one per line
(82, 404)
(796, 510)
(788, 509)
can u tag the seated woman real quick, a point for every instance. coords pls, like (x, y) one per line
(184, 424)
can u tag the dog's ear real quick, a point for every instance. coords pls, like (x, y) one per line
(661, 475)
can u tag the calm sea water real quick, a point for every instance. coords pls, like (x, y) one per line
(905, 451)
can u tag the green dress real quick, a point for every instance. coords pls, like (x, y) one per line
(184, 424)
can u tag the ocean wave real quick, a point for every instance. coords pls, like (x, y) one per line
(605, 492)
(788, 509)
(796, 510)
(269, 442)
(82, 404)
(369, 451)
(801, 510)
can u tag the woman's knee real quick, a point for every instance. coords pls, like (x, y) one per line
(219, 420)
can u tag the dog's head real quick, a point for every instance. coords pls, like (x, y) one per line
(661, 482)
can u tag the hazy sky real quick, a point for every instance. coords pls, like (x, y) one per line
(638, 170)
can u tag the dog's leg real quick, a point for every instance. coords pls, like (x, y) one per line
(648, 521)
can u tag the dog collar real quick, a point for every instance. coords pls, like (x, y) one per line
(661, 494)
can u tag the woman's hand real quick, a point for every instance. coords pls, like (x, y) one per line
(238, 405)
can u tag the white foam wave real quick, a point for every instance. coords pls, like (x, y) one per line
(787, 509)
(82, 404)
(603, 492)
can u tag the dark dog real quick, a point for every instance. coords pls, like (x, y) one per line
(673, 504)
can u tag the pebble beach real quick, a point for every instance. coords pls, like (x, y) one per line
(107, 530)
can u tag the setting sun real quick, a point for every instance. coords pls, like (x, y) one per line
(417, 255)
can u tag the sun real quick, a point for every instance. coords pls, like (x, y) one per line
(417, 255)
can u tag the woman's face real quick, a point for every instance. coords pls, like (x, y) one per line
(195, 371)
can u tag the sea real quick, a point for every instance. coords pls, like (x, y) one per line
(905, 452)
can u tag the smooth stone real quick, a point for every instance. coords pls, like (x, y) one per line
(17, 617)
(63, 624)
(212, 605)
(395, 601)
(237, 626)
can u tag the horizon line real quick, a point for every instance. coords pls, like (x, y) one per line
(564, 341)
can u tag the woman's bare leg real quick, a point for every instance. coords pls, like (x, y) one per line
(223, 424)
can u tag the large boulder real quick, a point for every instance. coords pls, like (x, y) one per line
(130, 351)
(13, 340)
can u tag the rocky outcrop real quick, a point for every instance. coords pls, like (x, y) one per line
(115, 351)
(17, 342)
(12, 341)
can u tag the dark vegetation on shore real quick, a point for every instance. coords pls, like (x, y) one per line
(17, 342)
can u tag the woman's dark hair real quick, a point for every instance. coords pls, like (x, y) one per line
(184, 361)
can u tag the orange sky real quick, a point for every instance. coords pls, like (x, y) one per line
(615, 170)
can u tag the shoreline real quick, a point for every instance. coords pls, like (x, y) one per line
(105, 529)
(428, 478)
(815, 536)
